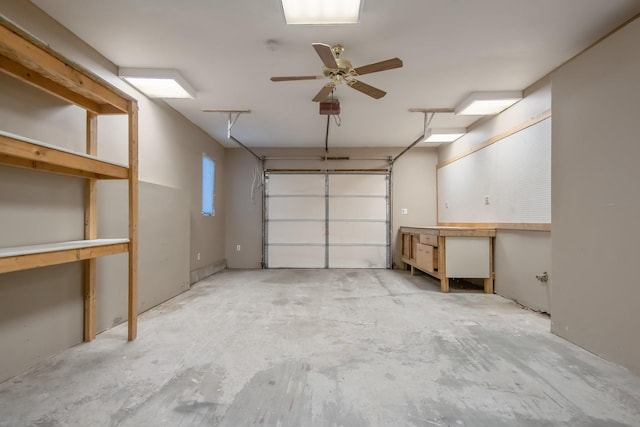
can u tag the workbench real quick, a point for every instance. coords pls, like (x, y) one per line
(450, 252)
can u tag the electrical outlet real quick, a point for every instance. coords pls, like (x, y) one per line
(238, 248)
(198, 256)
(404, 211)
(486, 200)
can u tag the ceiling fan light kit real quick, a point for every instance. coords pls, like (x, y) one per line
(321, 12)
(487, 103)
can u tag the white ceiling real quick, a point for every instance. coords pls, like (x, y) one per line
(449, 47)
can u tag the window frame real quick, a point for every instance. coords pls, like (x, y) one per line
(208, 163)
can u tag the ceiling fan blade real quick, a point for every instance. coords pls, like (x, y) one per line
(324, 92)
(389, 64)
(291, 78)
(325, 52)
(373, 92)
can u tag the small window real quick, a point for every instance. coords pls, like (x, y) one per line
(208, 185)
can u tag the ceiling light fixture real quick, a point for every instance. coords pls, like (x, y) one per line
(444, 134)
(158, 83)
(487, 103)
(321, 12)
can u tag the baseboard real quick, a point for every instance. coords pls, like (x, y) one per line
(201, 273)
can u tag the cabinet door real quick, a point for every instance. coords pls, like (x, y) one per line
(468, 257)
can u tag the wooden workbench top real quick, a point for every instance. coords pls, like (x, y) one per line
(451, 231)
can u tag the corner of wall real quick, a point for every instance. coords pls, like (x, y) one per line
(209, 270)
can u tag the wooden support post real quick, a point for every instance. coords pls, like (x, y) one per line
(488, 282)
(90, 232)
(133, 220)
(442, 264)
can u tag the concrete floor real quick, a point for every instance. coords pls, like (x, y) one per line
(326, 348)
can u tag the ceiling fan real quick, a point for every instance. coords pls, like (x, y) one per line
(339, 70)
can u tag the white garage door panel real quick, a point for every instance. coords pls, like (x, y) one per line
(296, 208)
(302, 209)
(296, 256)
(358, 232)
(358, 208)
(361, 185)
(357, 257)
(288, 184)
(297, 232)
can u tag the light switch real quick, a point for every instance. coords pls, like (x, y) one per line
(404, 211)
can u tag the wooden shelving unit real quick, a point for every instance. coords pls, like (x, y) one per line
(30, 60)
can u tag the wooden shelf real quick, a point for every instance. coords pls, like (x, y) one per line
(33, 256)
(30, 60)
(23, 152)
(35, 63)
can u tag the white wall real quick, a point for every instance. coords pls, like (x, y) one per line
(41, 309)
(596, 148)
(519, 255)
(414, 188)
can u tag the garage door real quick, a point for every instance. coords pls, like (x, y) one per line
(334, 220)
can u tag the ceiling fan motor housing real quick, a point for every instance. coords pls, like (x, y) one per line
(330, 107)
(344, 69)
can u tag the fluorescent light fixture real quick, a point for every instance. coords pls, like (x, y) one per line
(158, 83)
(487, 103)
(321, 12)
(444, 134)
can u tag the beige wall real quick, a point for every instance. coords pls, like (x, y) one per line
(519, 255)
(243, 213)
(413, 188)
(596, 207)
(41, 309)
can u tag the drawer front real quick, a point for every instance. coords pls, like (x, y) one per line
(429, 239)
(426, 257)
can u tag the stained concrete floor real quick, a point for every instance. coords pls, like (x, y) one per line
(326, 348)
